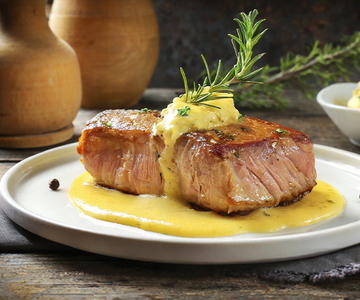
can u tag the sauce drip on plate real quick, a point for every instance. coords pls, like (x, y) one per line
(173, 216)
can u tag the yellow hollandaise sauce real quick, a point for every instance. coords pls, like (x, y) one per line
(172, 216)
(182, 117)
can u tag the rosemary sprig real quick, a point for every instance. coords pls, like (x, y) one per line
(320, 67)
(316, 56)
(243, 45)
(246, 41)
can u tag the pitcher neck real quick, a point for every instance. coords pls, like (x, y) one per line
(23, 17)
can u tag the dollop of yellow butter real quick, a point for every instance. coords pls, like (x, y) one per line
(198, 116)
(354, 101)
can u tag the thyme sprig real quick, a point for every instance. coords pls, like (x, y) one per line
(243, 45)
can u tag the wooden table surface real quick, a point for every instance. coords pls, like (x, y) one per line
(81, 275)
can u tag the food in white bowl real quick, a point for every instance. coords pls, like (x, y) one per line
(354, 101)
(334, 100)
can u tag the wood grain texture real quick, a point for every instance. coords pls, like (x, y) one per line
(37, 140)
(117, 43)
(81, 275)
(39, 75)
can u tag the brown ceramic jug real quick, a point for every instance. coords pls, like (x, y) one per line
(40, 82)
(117, 43)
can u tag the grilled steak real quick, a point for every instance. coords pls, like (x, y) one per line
(234, 168)
(245, 166)
(120, 152)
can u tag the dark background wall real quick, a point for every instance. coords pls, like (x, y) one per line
(189, 28)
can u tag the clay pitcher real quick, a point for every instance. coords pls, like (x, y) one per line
(117, 43)
(40, 82)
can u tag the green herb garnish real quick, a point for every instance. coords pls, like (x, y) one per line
(281, 131)
(321, 66)
(184, 111)
(108, 124)
(231, 137)
(219, 133)
(243, 44)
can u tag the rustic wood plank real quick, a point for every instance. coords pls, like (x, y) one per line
(81, 275)
(4, 166)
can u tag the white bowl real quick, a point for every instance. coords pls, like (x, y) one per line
(333, 99)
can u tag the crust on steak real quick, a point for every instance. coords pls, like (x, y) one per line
(235, 168)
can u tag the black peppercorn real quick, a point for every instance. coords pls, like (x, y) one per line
(54, 184)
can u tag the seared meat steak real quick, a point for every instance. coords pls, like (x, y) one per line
(235, 168)
(245, 166)
(119, 151)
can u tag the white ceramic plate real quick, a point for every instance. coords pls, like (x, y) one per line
(28, 201)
